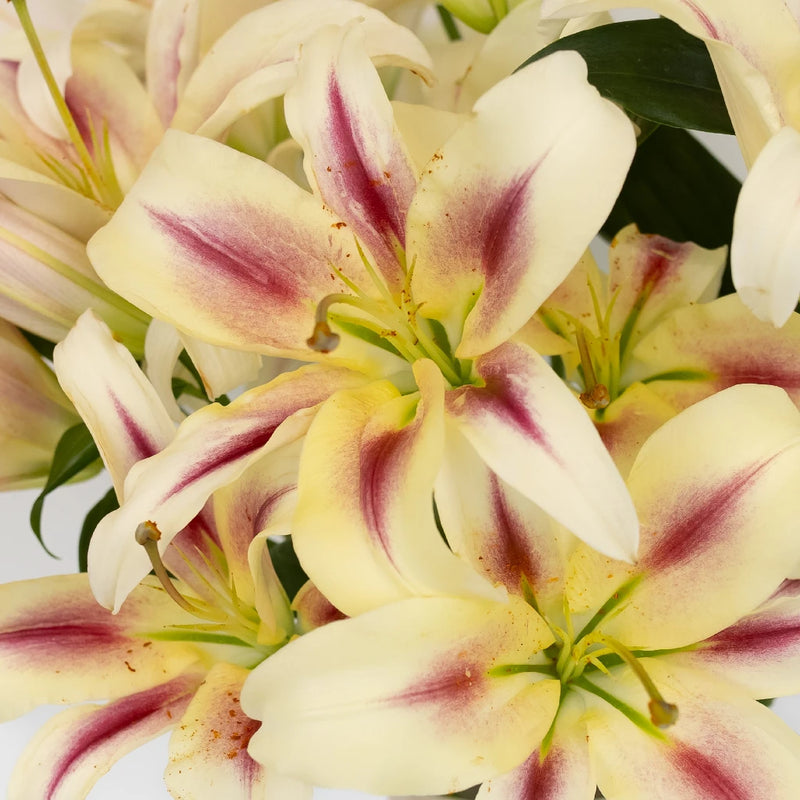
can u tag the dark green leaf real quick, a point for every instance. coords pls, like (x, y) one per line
(44, 347)
(676, 188)
(654, 70)
(75, 451)
(287, 567)
(105, 505)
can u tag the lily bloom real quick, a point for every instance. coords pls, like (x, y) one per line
(581, 671)
(650, 338)
(757, 60)
(404, 259)
(176, 656)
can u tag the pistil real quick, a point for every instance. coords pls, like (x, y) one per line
(662, 713)
(147, 534)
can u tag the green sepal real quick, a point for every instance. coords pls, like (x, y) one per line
(654, 70)
(75, 452)
(105, 505)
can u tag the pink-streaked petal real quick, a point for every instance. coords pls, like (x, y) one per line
(650, 275)
(364, 530)
(530, 429)
(254, 60)
(171, 53)
(261, 498)
(400, 700)
(354, 156)
(766, 231)
(118, 404)
(57, 645)
(208, 749)
(313, 609)
(713, 527)
(212, 448)
(105, 94)
(77, 747)
(235, 254)
(761, 651)
(487, 230)
(504, 535)
(709, 347)
(723, 746)
(564, 772)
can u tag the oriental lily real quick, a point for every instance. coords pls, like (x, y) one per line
(178, 653)
(757, 59)
(649, 339)
(580, 671)
(387, 270)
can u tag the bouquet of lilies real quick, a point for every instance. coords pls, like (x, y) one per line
(413, 493)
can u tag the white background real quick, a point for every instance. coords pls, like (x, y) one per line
(138, 776)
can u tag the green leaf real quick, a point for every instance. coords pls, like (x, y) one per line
(105, 505)
(287, 567)
(75, 451)
(44, 347)
(654, 70)
(676, 188)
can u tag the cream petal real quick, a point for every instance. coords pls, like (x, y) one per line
(212, 448)
(766, 231)
(57, 645)
(234, 254)
(119, 405)
(717, 533)
(400, 700)
(364, 530)
(254, 60)
(78, 746)
(488, 234)
(354, 156)
(531, 431)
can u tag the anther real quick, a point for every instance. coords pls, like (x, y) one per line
(596, 395)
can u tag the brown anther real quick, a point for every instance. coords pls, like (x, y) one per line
(662, 713)
(597, 397)
(323, 340)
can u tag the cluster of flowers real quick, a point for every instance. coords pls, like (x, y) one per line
(543, 515)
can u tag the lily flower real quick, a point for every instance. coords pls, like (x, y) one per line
(177, 655)
(385, 270)
(35, 412)
(581, 671)
(649, 339)
(757, 60)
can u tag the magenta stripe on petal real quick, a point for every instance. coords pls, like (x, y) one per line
(143, 444)
(762, 637)
(248, 256)
(217, 457)
(710, 779)
(382, 466)
(374, 193)
(704, 517)
(508, 553)
(153, 709)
